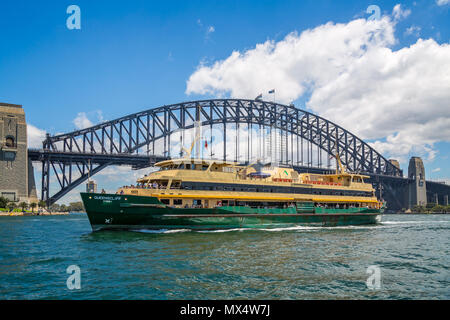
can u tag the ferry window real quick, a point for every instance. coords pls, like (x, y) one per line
(205, 167)
(175, 185)
(177, 202)
(188, 166)
(181, 166)
(165, 201)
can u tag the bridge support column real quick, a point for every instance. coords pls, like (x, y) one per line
(417, 191)
(16, 171)
(436, 199)
(446, 200)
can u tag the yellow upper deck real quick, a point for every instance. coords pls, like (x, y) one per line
(187, 169)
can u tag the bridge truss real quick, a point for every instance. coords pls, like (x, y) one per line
(250, 129)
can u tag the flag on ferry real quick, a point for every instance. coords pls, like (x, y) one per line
(272, 91)
(206, 144)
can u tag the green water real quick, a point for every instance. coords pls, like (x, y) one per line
(412, 252)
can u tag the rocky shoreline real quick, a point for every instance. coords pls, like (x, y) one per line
(13, 214)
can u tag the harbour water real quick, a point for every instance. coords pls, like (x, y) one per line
(412, 253)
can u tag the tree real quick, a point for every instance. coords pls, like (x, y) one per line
(55, 208)
(438, 208)
(418, 209)
(23, 205)
(430, 205)
(3, 202)
(76, 206)
(33, 205)
(11, 206)
(42, 204)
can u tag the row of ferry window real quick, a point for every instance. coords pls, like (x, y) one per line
(192, 166)
(277, 190)
(255, 204)
(217, 203)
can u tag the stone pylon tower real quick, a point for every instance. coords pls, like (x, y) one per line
(16, 173)
(417, 192)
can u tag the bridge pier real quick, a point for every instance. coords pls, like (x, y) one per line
(16, 171)
(446, 200)
(417, 191)
(436, 199)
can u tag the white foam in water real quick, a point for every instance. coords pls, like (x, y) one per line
(177, 230)
(296, 228)
(224, 230)
(160, 231)
(411, 222)
(383, 224)
(299, 228)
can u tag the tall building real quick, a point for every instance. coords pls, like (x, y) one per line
(16, 172)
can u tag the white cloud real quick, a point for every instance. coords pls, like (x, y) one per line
(436, 170)
(398, 99)
(35, 136)
(398, 13)
(209, 31)
(82, 121)
(442, 2)
(413, 30)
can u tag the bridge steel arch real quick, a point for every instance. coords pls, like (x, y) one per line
(93, 149)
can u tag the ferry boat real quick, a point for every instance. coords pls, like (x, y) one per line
(201, 194)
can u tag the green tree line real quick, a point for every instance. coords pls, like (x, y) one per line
(431, 208)
(7, 205)
(72, 207)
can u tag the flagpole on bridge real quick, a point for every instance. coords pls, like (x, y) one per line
(272, 92)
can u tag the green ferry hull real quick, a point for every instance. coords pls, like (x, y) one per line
(126, 212)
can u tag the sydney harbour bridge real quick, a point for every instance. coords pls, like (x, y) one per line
(237, 130)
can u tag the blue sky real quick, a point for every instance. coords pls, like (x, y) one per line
(134, 55)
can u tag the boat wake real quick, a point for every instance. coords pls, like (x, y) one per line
(383, 224)
(161, 231)
(413, 222)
